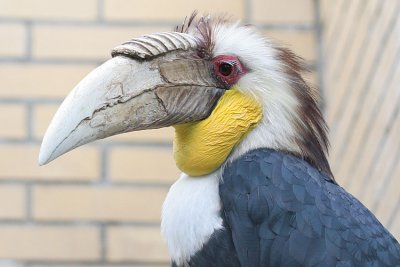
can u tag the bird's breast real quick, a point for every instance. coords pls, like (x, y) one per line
(191, 214)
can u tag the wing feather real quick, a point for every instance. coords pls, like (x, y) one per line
(284, 212)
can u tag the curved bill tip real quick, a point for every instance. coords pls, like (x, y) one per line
(51, 148)
(43, 158)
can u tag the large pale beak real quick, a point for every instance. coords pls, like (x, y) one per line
(152, 82)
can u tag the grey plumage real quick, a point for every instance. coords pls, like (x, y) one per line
(283, 212)
(278, 210)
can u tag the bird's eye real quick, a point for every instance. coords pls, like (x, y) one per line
(228, 69)
(225, 68)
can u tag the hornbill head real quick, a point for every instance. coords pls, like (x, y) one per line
(224, 87)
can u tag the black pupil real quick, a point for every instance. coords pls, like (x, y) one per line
(225, 69)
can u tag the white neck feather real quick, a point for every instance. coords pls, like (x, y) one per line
(191, 214)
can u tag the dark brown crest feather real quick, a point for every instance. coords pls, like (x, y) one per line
(202, 28)
(312, 141)
(187, 23)
(206, 45)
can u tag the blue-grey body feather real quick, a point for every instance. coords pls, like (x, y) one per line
(278, 210)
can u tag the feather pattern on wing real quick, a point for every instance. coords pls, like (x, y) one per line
(284, 212)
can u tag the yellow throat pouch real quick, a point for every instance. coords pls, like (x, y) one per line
(201, 147)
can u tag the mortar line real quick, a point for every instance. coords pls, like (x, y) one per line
(143, 23)
(12, 262)
(103, 243)
(29, 122)
(28, 203)
(29, 40)
(247, 11)
(54, 61)
(112, 144)
(104, 163)
(320, 63)
(96, 263)
(79, 223)
(38, 101)
(109, 23)
(68, 183)
(282, 26)
(100, 10)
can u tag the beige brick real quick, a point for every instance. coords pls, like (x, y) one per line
(13, 40)
(49, 243)
(142, 164)
(83, 42)
(136, 243)
(12, 118)
(12, 202)
(98, 203)
(303, 43)
(49, 9)
(167, 10)
(19, 161)
(283, 11)
(42, 115)
(40, 80)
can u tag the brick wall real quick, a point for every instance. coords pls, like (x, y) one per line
(361, 77)
(100, 204)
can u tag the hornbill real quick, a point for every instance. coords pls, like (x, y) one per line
(256, 187)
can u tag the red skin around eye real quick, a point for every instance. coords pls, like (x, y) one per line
(238, 69)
